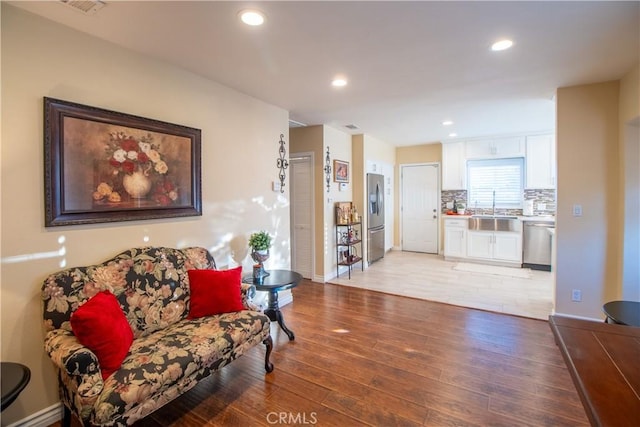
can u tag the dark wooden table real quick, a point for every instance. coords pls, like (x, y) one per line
(14, 377)
(276, 281)
(604, 362)
(623, 312)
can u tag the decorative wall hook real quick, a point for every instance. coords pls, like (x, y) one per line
(282, 163)
(327, 170)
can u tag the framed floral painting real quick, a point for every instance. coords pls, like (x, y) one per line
(105, 166)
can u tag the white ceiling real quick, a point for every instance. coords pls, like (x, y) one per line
(410, 65)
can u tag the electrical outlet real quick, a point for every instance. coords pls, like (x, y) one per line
(576, 295)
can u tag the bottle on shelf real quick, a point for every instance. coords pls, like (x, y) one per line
(349, 243)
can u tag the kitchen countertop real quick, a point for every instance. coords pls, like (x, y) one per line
(538, 218)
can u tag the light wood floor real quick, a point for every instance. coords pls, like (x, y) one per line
(432, 278)
(364, 358)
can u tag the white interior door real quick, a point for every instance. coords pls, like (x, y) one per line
(301, 178)
(420, 208)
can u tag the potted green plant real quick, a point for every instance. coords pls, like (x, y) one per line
(260, 242)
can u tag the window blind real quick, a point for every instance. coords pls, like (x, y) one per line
(504, 176)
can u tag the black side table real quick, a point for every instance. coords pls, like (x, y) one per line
(277, 280)
(623, 312)
(14, 377)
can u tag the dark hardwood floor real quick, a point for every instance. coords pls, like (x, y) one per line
(366, 358)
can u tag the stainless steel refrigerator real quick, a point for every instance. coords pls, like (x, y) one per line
(375, 217)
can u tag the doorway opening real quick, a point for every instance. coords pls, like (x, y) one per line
(302, 214)
(419, 207)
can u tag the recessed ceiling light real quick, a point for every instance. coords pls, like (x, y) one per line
(447, 123)
(501, 45)
(339, 82)
(453, 135)
(252, 17)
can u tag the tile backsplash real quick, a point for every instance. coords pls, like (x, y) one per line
(450, 196)
(545, 196)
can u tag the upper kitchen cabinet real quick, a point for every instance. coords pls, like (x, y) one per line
(541, 162)
(500, 147)
(454, 167)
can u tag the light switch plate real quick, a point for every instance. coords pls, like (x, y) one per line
(576, 295)
(577, 210)
(449, 205)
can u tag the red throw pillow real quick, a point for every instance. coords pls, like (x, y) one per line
(214, 292)
(100, 325)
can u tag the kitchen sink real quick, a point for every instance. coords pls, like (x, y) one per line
(495, 216)
(494, 223)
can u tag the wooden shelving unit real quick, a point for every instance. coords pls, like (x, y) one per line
(348, 238)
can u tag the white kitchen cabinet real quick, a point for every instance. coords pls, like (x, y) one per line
(479, 244)
(541, 161)
(455, 237)
(479, 149)
(454, 168)
(499, 246)
(493, 148)
(507, 247)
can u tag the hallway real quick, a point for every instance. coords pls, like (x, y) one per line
(430, 277)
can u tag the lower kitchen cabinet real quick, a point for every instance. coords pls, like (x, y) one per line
(480, 244)
(455, 238)
(495, 246)
(455, 242)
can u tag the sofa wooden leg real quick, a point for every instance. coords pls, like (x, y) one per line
(268, 366)
(66, 416)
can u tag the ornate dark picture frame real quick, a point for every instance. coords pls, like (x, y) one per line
(105, 166)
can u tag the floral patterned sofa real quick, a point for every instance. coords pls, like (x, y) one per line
(170, 352)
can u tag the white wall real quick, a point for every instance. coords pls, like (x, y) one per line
(239, 149)
(588, 246)
(380, 157)
(339, 144)
(630, 159)
(631, 257)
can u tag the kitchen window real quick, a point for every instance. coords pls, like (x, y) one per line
(505, 177)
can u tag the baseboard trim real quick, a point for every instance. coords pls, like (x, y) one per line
(285, 297)
(42, 418)
(333, 275)
(592, 319)
(318, 279)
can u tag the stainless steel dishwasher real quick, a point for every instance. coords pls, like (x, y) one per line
(537, 245)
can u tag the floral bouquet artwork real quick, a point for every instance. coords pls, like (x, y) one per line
(136, 172)
(107, 166)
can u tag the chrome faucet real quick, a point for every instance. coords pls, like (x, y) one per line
(493, 213)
